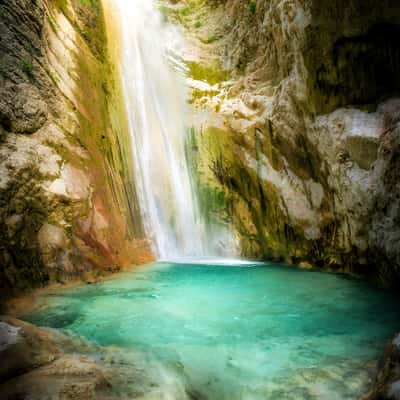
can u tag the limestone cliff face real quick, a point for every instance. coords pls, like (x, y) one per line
(299, 148)
(67, 199)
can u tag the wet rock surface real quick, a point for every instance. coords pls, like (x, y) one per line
(39, 363)
(387, 382)
(34, 366)
(295, 142)
(22, 109)
(67, 204)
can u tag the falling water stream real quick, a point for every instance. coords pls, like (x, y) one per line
(223, 330)
(153, 80)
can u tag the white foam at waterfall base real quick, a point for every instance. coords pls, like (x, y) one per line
(214, 261)
(155, 96)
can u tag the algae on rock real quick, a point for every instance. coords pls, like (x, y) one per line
(67, 194)
(301, 131)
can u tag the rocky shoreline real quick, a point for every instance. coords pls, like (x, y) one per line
(38, 363)
(41, 363)
(36, 358)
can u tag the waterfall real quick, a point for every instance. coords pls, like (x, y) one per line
(155, 96)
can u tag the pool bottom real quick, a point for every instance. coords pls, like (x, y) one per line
(184, 331)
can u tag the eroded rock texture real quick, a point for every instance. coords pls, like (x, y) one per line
(38, 364)
(67, 201)
(299, 150)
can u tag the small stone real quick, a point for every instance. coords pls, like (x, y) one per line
(305, 265)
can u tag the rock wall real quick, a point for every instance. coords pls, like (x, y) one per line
(296, 141)
(67, 198)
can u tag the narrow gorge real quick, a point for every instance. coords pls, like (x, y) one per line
(200, 199)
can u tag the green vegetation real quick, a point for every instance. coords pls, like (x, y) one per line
(53, 23)
(185, 10)
(54, 76)
(212, 197)
(210, 39)
(61, 5)
(27, 67)
(197, 24)
(164, 10)
(87, 18)
(252, 7)
(90, 3)
(209, 73)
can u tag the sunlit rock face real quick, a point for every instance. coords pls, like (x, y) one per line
(297, 139)
(67, 201)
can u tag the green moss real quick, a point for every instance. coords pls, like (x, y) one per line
(87, 18)
(104, 130)
(90, 3)
(185, 10)
(54, 76)
(210, 39)
(165, 11)
(232, 193)
(62, 5)
(200, 94)
(22, 267)
(27, 67)
(252, 7)
(53, 23)
(188, 13)
(213, 202)
(208, 73)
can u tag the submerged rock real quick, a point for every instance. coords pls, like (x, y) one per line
(387, 382)
(39, 363)
(33, 365)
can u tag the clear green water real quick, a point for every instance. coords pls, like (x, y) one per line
(184, 331)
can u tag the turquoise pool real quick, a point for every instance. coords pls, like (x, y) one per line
(236, 331)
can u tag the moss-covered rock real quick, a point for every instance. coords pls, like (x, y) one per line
(301, 140)
(66, 191)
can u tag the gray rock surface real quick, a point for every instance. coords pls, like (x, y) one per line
(296, 139)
